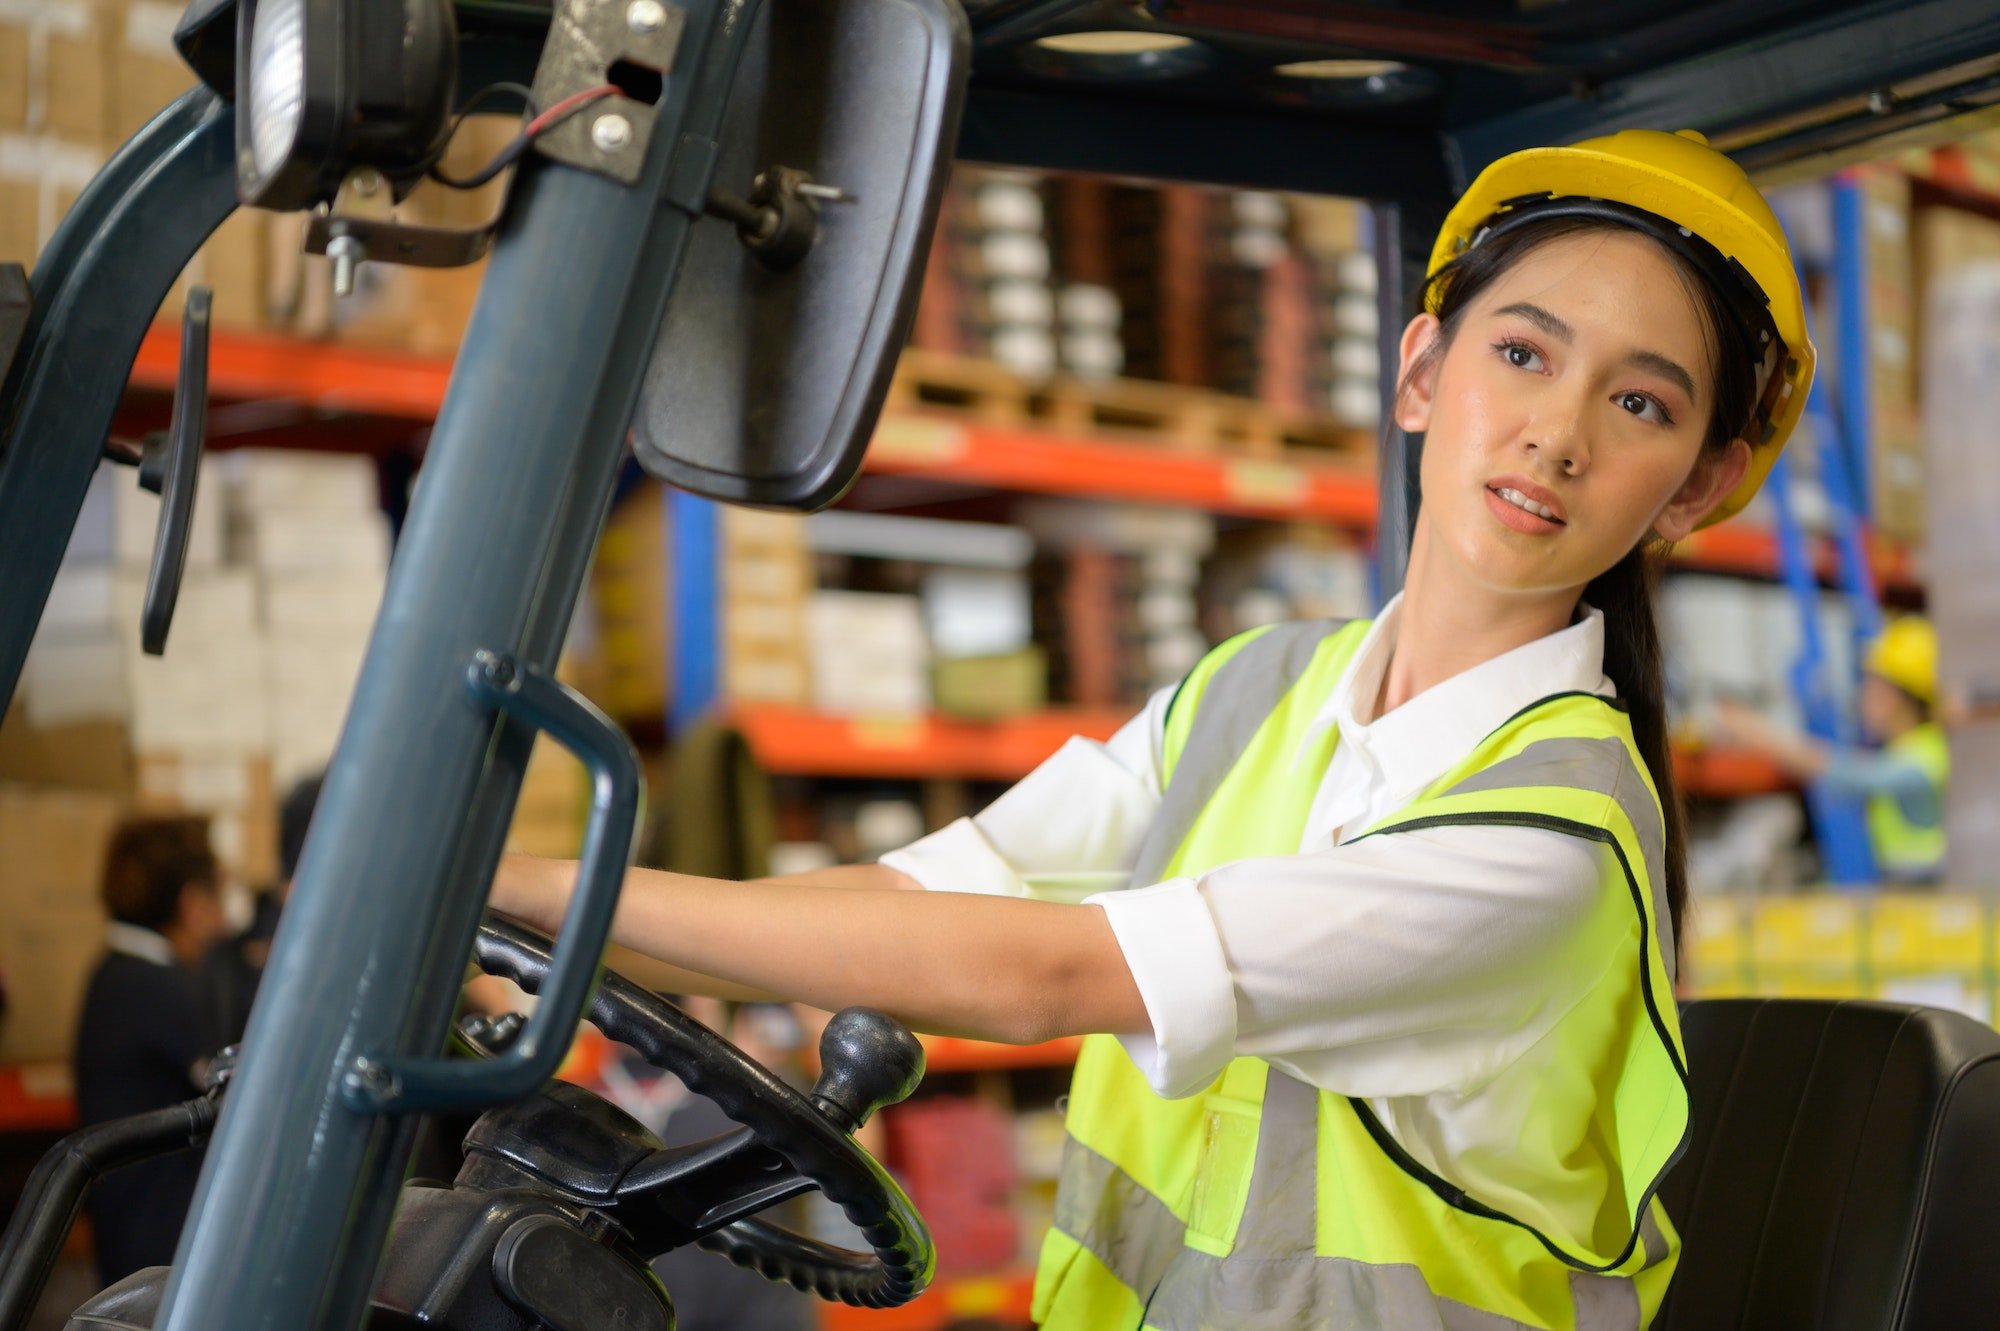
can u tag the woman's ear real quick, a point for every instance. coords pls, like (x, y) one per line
(1712, 481)
(1412, 408)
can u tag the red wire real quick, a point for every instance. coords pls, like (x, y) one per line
(561, 110)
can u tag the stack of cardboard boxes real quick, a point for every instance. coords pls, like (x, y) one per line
(51, 925)
(767, 580)
(308, 528)
(77, 79)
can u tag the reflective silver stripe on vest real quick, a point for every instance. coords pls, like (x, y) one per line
(1273, 1280)
(1239, 697)
(1600, 767)
(1134, 1233)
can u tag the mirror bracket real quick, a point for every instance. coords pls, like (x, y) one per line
(591, 43)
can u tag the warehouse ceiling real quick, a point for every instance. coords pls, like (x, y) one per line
(1408, 100)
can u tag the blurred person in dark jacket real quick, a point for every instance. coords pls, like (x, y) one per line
(145, 1035)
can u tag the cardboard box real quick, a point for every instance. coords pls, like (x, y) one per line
(118, 520)
(1895, 432)
(308, 541)
(149, 74)
(990, 687)
(77, 79)
(1820, 933)
(51, 923)
(261, 479)
(234, 790)
(774, 672)
(94, 756)
(98, 598)
(194, 697)
(554, 801)
(621, 637)
(39, 177)
(16, 43)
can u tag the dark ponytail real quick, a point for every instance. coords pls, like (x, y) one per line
(1623, 592)
(1632, 661)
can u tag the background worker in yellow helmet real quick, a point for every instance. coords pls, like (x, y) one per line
(1903, 780)
(1370, 927)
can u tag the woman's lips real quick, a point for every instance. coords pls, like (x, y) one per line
(1520, 519)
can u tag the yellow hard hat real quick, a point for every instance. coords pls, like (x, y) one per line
(1678, 179)
(1906, 654)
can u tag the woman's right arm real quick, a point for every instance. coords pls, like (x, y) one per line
(536, 891)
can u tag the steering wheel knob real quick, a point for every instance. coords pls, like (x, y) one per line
(866, 1061)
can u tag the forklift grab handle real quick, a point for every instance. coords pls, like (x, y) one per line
(429, 1085)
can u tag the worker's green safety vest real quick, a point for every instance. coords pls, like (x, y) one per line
(1906, 851)
(1264, 1203)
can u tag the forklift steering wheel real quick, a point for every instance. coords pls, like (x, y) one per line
(869, 1061)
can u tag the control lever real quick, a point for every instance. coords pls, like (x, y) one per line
(866, 1061)
(170, 466)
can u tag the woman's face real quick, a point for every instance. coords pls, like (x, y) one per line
(1565, 420)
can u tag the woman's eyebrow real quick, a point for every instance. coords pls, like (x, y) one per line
(1541, 319)
(1664, 366)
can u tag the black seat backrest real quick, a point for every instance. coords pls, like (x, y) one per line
(1845, 1169)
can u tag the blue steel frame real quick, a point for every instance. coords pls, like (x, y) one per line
(304, 1169)
(301, 1180)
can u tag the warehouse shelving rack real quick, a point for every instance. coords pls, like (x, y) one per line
(368, 398)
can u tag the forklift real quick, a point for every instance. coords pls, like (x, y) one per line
(708, 255)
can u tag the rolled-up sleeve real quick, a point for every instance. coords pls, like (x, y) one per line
(1397, 965)
(1070, 828)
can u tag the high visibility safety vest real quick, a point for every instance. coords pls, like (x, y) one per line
(1265, 1204)
(1906, 851)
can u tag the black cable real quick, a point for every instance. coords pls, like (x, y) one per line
(506, 157)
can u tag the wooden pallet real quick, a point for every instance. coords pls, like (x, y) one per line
(1194, 420)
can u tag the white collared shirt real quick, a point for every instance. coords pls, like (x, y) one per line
(133, 941)
(1401, 966)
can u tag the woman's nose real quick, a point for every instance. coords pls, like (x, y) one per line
(1558, 437)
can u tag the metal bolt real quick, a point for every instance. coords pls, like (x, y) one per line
(368, 182)
(611, 133)
(646, 16)
(371, 1080)
(1882, 101)
(347, 252)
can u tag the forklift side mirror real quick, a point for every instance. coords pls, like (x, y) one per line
(767, 377)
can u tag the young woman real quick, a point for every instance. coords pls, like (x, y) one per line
(1371, 926)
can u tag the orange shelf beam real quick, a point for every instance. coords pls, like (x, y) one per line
(263, 367)
(37, 1097)
(1746, 550)
(1003, 1297)
(1087, 466)
(1727, 773)
(943, 1054)
(798, 741)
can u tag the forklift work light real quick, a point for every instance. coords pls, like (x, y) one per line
(324, 87)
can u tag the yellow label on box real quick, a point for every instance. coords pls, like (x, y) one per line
(1255, 482)
(918, 439)
(1715, 933)
(1943, 933)
(894, 733)
(1811, 982)
(1807, 931)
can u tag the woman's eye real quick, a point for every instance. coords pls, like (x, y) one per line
(1645, 407)
(1521, 356)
